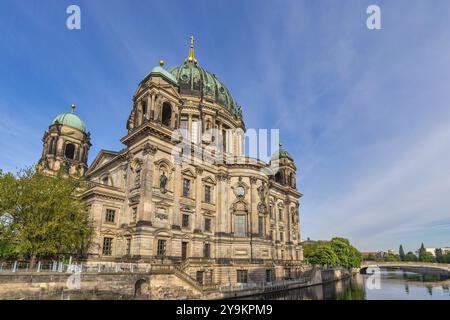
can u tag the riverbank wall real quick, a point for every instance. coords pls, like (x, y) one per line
(168, 285)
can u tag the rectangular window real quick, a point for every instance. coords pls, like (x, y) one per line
(107, 246)
(261, 226)
(199, 276)
(207, 250)
(242, 276)
(161, 250)
(195, 131)
(110, 215)
(224, 141)
(207, 224)
(207, 194)
(240, 229)
(281, 236)
(287, 273)
(280, 214)
(184, 126)
(128, 246)
(185, 222)
(186, 187)
(269, 275)
(271, 212)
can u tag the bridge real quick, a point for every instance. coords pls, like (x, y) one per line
(441, 269)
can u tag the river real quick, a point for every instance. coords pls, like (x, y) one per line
(393, 285)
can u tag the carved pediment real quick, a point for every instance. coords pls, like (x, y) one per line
(103, 158)
(240, 205)
(109, 232)
(187, 208)
(188, 172)
(209, 213)
(209, 180)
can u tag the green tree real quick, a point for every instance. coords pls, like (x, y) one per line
(447, 257)
(47, 216)
(422, 253)
(439, 256)
(311, 247)
(323, 255)
(348, 256)
(428, 257)
(411, 257)
(370, 257)
(393, 258)
(344, 254)
(401, 253)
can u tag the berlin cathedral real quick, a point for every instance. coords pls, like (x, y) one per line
(221, 221)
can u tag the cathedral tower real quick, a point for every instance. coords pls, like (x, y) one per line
(65, 145)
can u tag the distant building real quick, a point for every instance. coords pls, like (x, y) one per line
(445, 250)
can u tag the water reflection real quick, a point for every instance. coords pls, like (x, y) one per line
(395, 285)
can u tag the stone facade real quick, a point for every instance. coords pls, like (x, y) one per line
(217, 214)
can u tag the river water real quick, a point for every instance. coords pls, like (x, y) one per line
(392, 285)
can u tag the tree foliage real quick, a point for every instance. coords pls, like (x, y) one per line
(44, 215)
(439, 255)
(323, 255)
(422, 253)
(401, 253)
(337, 252)
(411, 257)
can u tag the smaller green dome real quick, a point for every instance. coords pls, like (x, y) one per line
(281, 153)
(70, 119)
(159, 70)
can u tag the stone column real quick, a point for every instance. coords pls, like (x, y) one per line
(152, 107)
(189, 137)
(253, 206)
(177, 194)
(149, 106)
(198, 199)
(146, 213)
(223, 214)
(289, 221)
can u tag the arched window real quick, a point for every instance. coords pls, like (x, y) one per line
(144, 109)
(292, 180)
(69, 151)
(278, 177)
(166, 114)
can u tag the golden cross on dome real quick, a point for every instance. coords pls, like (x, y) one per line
(191, 56)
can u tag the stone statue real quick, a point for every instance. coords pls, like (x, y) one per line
(163, 182)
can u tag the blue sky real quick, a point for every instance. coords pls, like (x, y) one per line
(365, 113)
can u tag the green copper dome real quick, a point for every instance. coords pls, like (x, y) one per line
(70, 119)
(159, 70)
(196, 81)
(281, 153)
